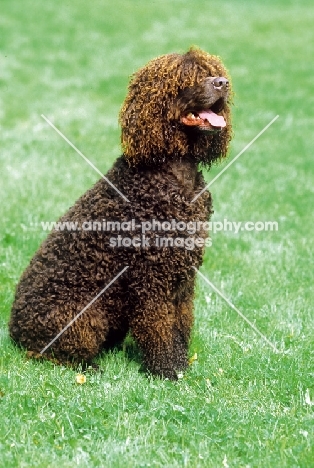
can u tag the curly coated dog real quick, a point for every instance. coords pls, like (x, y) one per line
(148, 226)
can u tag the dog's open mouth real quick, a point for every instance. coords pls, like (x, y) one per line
(207, 119)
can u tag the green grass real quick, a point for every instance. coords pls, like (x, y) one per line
(239, 404)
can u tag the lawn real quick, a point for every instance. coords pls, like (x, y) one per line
(240, 404)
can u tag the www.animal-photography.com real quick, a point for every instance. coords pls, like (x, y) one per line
(156, 243)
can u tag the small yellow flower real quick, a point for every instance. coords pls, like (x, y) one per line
(80, 379)
(193, 358)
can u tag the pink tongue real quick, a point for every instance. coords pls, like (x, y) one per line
(212, 118)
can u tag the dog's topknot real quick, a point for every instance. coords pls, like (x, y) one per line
(149, 118)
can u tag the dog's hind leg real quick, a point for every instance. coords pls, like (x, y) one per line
(61, 334)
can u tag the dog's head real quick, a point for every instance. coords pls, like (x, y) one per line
(178, 106)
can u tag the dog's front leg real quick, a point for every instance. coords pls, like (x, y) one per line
(163, 338)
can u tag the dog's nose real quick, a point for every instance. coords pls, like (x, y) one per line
(220, 82)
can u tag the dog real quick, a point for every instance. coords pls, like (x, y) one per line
(84, 290)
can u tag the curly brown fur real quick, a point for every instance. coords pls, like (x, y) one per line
(151, 130)
(163, 141)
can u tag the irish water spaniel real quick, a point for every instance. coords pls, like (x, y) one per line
(175, 118)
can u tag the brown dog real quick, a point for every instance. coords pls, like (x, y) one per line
(176, 117)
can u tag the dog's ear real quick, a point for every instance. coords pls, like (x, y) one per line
(146, 119)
